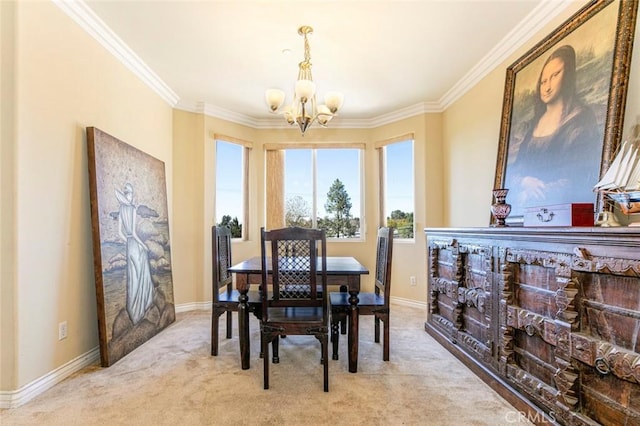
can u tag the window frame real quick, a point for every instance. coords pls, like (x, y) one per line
(245, 160)
(360, 147)
(383, 190)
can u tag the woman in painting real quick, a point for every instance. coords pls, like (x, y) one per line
(558, 159)
(139, 284)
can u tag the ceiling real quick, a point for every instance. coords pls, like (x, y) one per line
(389, 58)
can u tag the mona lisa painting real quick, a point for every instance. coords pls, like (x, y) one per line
(563, 109)
(131, 249)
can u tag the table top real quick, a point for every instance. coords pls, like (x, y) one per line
(335, 266)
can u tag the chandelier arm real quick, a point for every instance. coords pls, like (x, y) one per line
(305, 97)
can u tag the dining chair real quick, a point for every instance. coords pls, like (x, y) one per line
(224, 296)
(296, 305)
(374, 303)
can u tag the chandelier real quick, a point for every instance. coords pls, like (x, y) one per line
(304, 109)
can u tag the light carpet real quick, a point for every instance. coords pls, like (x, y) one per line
(173, 380)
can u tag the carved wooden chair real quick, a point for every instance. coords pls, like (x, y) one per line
(225, 297)
(296, 305)
(376, 303)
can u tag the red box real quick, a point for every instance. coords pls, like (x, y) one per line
(571, 214)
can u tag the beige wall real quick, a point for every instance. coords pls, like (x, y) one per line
(188, 175)
(64, 82)
(7, 191)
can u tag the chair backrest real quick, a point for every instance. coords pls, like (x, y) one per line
(221, 259)
(384, 252)
(298, 274)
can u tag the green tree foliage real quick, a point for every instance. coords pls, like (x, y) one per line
(233, 224)
(297, 212)
(402, 222)
(338, 204)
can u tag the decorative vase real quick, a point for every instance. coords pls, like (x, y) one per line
(500, 209)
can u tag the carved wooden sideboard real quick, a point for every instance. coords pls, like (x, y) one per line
(549, 317)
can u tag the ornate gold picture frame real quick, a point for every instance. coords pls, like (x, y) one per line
(563, 109)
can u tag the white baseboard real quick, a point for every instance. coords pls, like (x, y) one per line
(409, 302)
(14, 399)
(193, 306)
(29, 391)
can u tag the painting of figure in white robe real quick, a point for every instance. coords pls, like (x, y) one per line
(132, 253)
(139, 283)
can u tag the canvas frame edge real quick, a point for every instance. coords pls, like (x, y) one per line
(92, 133)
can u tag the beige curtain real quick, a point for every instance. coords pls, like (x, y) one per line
(245, 210)
(275, 189)
(382, 187)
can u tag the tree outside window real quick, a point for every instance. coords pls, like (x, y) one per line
(322, 189)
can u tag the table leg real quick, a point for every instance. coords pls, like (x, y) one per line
(243, 320)
(353, 332)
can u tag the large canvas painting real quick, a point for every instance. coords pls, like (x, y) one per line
(131, 249)
(564, 107)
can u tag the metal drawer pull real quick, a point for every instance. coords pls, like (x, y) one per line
(530, 329)
(602, 366)
(545, 215)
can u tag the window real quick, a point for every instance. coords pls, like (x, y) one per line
(397, 186)
(321, 188)
(231, 167)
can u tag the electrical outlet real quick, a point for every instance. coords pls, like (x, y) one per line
(412, 280)
(62, 330)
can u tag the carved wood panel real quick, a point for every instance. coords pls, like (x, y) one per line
(461, 295)
(542, 315)
(556, 316)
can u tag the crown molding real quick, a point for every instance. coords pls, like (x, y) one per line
(529, 26)
(516, 38)
(92, 24)
(338, 123)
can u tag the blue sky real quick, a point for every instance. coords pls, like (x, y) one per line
(400, 182)
(228, 180)
(331, 164)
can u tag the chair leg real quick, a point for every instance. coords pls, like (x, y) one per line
(335, 336)
(276, 349)
(385, 344)
(325, 361)
(265, 360)
(214, 332)
(376, 332)
(229, 324)
(261, 351)
(343, 319)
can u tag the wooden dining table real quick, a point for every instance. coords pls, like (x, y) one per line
(341, 271)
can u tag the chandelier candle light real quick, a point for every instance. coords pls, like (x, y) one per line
(304, 110)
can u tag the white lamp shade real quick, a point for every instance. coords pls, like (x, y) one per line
(274, 98)
(334, 101)
(324, 115)
(305, 90)
(289, 115)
